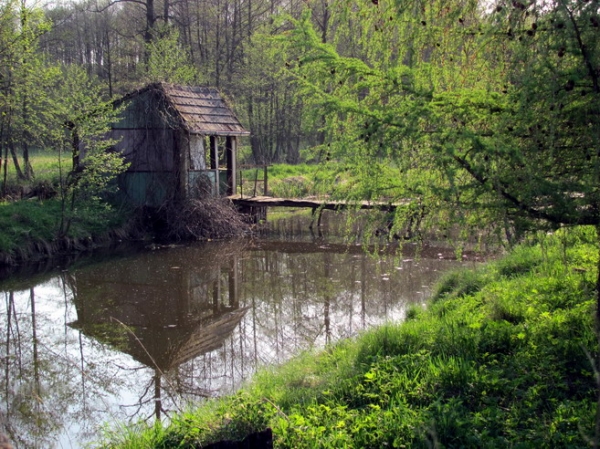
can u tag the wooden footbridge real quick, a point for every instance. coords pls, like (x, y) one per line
(253, 204)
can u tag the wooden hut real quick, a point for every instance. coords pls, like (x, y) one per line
(176, 138)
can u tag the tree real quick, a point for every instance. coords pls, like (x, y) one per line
(168, 61)
(80, 121)
(489, 102)
(22, 82)
(274, 112)
(376, 100)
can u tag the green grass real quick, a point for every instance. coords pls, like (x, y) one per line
(45, 168)
(27, 222)
(498, 359)
(292, 181)
(32, 225)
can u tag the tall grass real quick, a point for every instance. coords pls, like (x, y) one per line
(295, 181)
(27, 222)
(45, 165)
(23, 221)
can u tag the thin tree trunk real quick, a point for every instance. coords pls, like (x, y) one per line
(36, 360)
(75, 148)
(15, 158)
(24, 142)
(4, 169)
(9, 308)
(218, 47)
(109, 67)
(29, 175)
(3, 157)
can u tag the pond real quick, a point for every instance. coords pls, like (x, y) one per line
(144, 334)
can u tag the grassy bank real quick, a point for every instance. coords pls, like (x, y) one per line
(34, 224)
(30, 228)
(498, 359)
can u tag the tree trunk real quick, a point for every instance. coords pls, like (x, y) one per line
(24, 139)
(109, 67)
(75, 149)
(150, 21)
(26, 162)
(15, 158)
(166, 6)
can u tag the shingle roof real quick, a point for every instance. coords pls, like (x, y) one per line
(202, 109)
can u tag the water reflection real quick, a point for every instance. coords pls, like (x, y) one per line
(142, 336)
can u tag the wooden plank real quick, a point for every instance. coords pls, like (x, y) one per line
(179, 102)
(265, 201)
(210, 119)
(192, 92)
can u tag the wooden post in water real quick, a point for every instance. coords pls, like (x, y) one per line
(255, 180)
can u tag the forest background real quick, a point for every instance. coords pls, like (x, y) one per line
(481, 113)
(481, 105)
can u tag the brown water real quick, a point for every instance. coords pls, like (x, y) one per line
(143, 336)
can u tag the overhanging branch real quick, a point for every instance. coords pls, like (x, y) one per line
(582, 217)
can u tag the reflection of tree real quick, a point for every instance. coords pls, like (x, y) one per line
(48, 381)
(31, 413)
(326, 296)
(307, 294)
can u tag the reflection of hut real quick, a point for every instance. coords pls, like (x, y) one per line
(164, 132)
(161, 315)
(163, 348)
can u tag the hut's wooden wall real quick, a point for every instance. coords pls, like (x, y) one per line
(148, 138)
(147, 134)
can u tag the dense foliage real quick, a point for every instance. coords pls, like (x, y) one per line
(499, 359)
(494, 112)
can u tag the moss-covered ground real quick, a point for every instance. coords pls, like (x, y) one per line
(499, 358)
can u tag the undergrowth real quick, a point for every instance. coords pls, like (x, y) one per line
(498, 359)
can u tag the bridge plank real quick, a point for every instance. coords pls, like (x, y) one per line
(268, 201)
